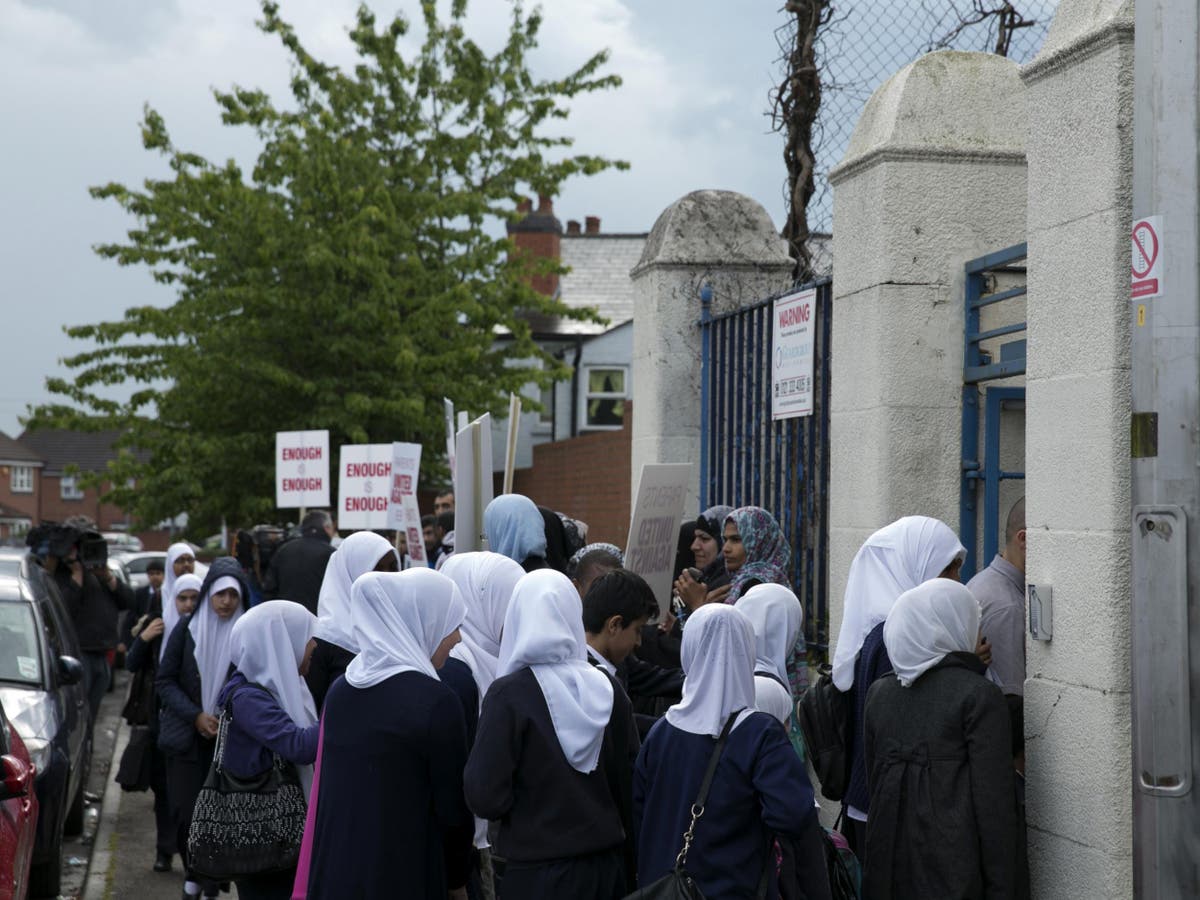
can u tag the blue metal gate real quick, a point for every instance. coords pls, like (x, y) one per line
(990, 280)
(747, 459)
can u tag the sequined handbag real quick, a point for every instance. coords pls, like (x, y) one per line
(246, 826)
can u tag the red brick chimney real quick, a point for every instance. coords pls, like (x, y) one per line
(539, 236)
(573, 227)
(593, 224)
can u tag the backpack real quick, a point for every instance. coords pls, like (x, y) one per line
(826, 715)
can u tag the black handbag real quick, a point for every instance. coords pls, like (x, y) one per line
(246, 826)
(826, 720)
(678, 884)
(137, 762)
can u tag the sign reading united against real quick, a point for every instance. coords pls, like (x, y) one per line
(301, 469)
(364, 486)
(654, 531)
(794, 338)
(403, 512)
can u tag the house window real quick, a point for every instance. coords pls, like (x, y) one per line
(69, 488)
(546, 416)
(22, 479)
(604, 406)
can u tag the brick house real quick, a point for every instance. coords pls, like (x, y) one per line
(39, 482)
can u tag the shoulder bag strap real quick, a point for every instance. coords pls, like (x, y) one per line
(702, 796)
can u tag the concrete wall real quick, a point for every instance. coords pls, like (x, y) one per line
(934, 176)
(1077, 703)
(720, 238)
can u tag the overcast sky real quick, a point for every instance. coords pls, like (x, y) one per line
(690, 115)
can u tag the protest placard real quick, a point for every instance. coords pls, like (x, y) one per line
(364, 486)
(301, 469)
(510, 446)
(654, 529)
(403, 513)
(472, 483)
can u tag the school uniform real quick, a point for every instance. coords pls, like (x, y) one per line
(390, 819)
(760, 789)
(553, 753)
(561, 831)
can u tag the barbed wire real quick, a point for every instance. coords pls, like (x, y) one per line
(865, 43)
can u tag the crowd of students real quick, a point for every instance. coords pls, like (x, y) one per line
(528, 722)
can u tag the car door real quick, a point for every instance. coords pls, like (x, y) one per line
(61, 641)
(18, 815)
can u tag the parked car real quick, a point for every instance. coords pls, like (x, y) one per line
(18, 812)
(135, 565)
(119, 541)
(42, 693)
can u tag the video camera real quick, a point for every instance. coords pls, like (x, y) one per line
(55, 539)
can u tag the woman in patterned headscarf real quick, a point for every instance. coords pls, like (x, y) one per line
(755, 550)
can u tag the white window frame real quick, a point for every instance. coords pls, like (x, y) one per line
(588, 396)
(21, 481)
(69, 489)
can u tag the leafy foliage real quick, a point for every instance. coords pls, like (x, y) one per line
(348, 282)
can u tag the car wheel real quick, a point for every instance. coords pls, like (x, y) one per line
(45, 879)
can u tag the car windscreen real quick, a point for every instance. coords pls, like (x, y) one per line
(20, 659)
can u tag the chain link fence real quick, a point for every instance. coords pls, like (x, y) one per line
(868, 41)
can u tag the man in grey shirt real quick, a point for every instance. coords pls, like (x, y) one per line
(1000, 590)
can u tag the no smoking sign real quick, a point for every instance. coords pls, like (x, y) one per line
(1146, 259)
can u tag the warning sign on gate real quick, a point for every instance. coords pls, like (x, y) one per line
(1146, 259)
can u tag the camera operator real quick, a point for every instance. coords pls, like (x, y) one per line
(78, 562)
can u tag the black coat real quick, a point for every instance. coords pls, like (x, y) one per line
(93, 608)
(297, 569)
(943, 819)
(178, 687)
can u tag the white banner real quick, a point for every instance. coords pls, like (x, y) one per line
(472, 484)
(403, 513)
(654, 530)
(795, 328)
(301, 469)
(364, 486)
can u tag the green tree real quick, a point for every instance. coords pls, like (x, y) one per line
(349, 282)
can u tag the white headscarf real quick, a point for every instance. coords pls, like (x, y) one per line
(170, 588)
(928, 622)
(213, 637)
(486, 582)
(358, 554)
(777, 618)
(399, 620)
(543, 630)
(268, 647)
(718, 663)
(896, 558)
(170, 613)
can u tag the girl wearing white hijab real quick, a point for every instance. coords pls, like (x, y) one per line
(939, 752)
(486, 582)
(551, 760)
(181, 561)
(760, 787)
(271, 709)
(192, 671)
(894, 559)
(361, 552)
(393, 729)
(777, 618)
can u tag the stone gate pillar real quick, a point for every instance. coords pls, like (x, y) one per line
(934, 176)
(721, 238)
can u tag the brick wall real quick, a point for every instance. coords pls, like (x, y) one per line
(24, 503)
(587, 478)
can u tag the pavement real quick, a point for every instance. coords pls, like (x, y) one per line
(114, 858)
